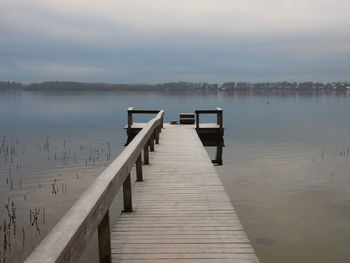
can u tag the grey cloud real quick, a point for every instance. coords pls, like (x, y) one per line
(154, 40)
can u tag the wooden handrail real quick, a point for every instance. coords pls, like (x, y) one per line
(144, 111)
(208, 111)
(68, 239)
(132, 111)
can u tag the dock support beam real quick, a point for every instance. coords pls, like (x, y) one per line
(127, 195)
(104, 240)
(219, 153)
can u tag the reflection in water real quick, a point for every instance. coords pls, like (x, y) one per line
(217, 145)
(286, 164)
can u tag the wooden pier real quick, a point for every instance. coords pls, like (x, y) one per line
(181, 212)
(176, 211)
(211, 134)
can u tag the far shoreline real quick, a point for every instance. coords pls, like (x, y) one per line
(284, 87)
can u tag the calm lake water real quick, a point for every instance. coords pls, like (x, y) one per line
(286, 165)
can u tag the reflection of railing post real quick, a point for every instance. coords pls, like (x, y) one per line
(127, 195)
(104, 240)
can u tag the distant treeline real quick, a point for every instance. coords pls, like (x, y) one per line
(202, 87)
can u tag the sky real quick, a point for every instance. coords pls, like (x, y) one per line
(153, 41)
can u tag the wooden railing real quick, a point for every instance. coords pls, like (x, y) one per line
(219, 117)
(68, 239)
(132, 111)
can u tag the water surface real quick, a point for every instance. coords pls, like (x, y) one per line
(286, 163)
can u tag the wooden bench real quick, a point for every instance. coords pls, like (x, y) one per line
(187, 118)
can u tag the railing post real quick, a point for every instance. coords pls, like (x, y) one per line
(130, 109)
(157, 134)
(104, 240)
(219, 117)
(145, 154)
(197, 120)
(151, 143)
(220, 120)
(127, 195)
(139, 177)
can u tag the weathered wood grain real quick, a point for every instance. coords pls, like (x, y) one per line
(181, 210)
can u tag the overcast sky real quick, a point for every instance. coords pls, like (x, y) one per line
(150, 41)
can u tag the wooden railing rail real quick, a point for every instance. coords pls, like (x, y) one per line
(219, 116)
(68, 239)
(132, 111)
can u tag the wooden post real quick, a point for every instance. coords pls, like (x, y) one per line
(220, 120)
(139, 177)
(127, 195)
(130, 109)
(219, 153)
(145, 154)
(197, 120)
(157, 134)
(151, 143)
(104, 240)
(219, 117)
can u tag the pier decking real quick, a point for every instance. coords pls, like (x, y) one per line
(181, 212)
(176, 211)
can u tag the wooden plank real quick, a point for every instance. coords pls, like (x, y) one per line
(228, 235)
(174, 231)
(240, 259)
(180, 248)
(233, 257)
(182, 212)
